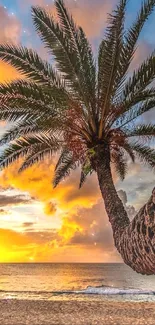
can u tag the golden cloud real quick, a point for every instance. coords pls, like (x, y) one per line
(84, 221)
(37, 180)
(26, 247)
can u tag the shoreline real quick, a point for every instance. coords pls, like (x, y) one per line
(36, 312)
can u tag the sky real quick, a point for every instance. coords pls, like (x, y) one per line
(42, 224)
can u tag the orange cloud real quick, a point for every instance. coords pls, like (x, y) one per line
(37, 180)
(13, 246)
(50, 208)
(17, 247)
(84, 223)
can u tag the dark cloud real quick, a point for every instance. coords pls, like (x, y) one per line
(2, 211)
(3, 189)
(91, 228)
(89, 190)
(35, 179)
(42, 237)
(6, 200)
(101, 238)
(28, 224)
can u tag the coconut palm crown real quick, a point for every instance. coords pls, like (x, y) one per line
(89, 112)
(79, 105)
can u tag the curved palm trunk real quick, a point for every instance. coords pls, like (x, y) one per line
(134, 240)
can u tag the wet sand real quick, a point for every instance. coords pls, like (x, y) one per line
(23, 312)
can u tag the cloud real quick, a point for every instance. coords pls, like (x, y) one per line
(42, 246)
(89, 227)
(8, 200)
(41, 237)
(10, 27)
(89, 14)
(138, 185)
(38, 182)
(2, 212)
(131, 211)
(50, 208)
(81, 212)
(10, 32)
(27, 224)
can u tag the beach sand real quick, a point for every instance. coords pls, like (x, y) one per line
(17, 312)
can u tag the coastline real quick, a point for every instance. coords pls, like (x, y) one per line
(41, 312)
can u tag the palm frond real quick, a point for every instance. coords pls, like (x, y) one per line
(126, 146)
(144, 153)
(126, 106)
(25, 146)
(14, 115)
(86, 170)
(19, 129)
(81, 47)
(58, 44)
(89, 68)
(23, 98)
(134, 31)
(120, 163)
(135, 112)
(145, 131)
(141, 78)
(40, 152)
(64, 166)
(28, 62)
(63, 157)
(21, 90)
(27, 126)
(109, 57)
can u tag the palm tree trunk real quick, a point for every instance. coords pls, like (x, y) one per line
(134, 240)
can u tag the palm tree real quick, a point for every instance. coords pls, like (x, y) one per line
(89, 112)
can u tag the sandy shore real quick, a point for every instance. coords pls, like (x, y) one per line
(16, 312)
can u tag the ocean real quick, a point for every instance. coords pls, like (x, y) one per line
(74, 282)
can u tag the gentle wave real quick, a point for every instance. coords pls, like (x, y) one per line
(114, 291)
(103, 290)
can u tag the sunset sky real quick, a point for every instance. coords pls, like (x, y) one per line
(37, 223)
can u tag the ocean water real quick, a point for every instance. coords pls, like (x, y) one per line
(74, 282)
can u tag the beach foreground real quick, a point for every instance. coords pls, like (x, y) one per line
(25, 312)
